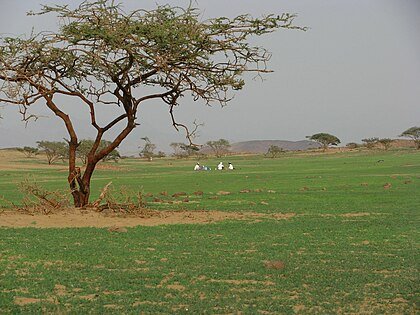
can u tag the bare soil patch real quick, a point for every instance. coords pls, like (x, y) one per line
(72, 218)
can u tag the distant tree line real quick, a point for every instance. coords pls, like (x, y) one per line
(58, 150)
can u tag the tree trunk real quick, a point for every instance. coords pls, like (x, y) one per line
(80, 199)
(80, 185)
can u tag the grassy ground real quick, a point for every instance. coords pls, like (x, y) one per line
(351, 248)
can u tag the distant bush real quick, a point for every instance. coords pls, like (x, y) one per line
(352, 145)
(386, 142)
(29, 151)
(274, 151)
(370, 142)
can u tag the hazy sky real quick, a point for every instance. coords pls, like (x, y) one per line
(355, 73)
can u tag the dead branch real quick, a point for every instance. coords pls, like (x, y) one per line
(101, 196)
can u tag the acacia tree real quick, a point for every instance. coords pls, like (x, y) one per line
(85, 145)
(386, 142)
(219, 147)
(102, 55)
(414, 134)
(29, 151)
(274, 151)
(325, 139)
(148, 149)
(183, 150)
(370, 142)
(54, 150)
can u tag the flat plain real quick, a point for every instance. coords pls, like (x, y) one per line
(304, 233)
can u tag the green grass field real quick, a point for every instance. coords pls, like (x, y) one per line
(352, 246)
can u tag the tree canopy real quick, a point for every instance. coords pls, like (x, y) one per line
(219, 147)
(102, 55)
(29, 151)
(325, 139)
(386, 142)
(148, 149)
(414, 134)
(370, 142)
(274, 151)
(85, 146)
(54, 150)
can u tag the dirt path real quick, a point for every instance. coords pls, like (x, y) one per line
(85, 218)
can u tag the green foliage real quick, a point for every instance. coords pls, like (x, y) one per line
(167, 47)
(370, 142)
(386, 142)
(182, 150)
(325, 139)
(54, 150)
(148, 149)
(274, 151)
(414, 134)
(219, 147)
(29, 151)
(85, 146)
